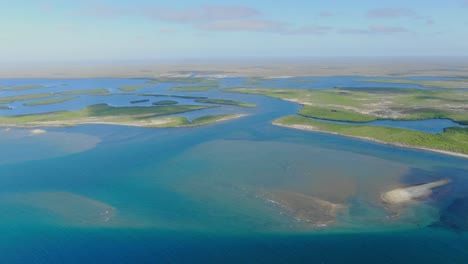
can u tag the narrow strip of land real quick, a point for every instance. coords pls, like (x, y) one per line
(151, 116)
(98, 91)
(193, 88)
(453, 141)
(363, 104)
(225, 102)
(50, 101)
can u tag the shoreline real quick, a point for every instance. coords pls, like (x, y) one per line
(225, 118)
(313, 129)
(231, 117)
(155, 123)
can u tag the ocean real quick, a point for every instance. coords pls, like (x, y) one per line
(232, 192)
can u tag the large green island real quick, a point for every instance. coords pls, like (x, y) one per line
(359, 105)
(152, 116)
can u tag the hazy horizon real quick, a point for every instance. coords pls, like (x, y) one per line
(51, 31)
(246, 60)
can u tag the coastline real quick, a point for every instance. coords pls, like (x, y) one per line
(163, 122)
(230, 117)
(313, 129)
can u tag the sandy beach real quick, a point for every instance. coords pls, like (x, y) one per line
(149, 122)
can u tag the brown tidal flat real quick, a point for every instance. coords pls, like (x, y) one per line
(311, 211)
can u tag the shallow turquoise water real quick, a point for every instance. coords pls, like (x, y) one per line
(198, 195)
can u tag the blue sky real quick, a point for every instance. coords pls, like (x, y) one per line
(119, 30)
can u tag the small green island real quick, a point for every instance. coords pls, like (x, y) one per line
(131, 88)
(173, 95)
(139, 101)
(72, 95)
(140, 116)
(225, 102)
(14, 98)
(359, 105)
(188, 97)
(180, 121)
(193, 88)
(98, 91)
(5, 107)
(50, 101)
(25, 87)
(165, 102)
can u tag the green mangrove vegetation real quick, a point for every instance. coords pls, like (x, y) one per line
(193, 88)
(188, 97)
(330, 113)
(4, 107)
(100, 113)
(224, 102)
(179, 121)
(139, 101)
(99, 91)
(367, 104)
(165, 102)
(25, 87)
(453, 139)
(14, 98)
(175, 96)
(210, 119)
(131, 88)
(50, 101)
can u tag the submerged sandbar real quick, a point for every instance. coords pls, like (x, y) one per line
(311, 211)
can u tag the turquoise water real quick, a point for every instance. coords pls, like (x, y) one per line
(116, 194)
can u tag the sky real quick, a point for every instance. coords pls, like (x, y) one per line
(143, 30)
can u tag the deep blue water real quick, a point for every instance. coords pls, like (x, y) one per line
(141, 246)
(191, 195)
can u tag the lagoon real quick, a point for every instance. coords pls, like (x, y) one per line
(205, 194)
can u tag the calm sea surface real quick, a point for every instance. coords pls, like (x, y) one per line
(230, 192)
